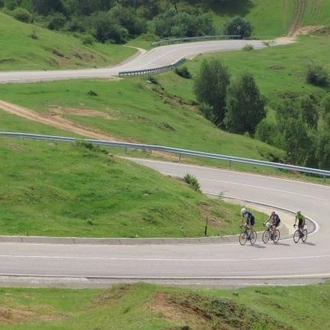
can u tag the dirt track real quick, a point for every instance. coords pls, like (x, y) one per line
(299, 13)
(55, 119)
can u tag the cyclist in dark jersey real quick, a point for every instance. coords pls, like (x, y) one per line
(273, 220)
(248, 219)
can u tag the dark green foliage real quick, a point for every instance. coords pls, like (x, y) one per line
(192, 181)
(81, 144)
(238, 26)
(108, 30)
(46, 7)
(245, 105)
(92, 93)
(183, 72)
(210, 87)
(322, 153)
(297, 142)
(22, 15)
(56, 21)
(317, 75)
(309, 110)
(153, 80)
(172, 23)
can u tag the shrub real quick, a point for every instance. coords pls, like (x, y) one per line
(238, 26)
(56, 21)
(22, 15)
(92, 93)
(248, 48)
(153, 80)
(192, 181)
(183, 72)
(317, 75)
(87, 40)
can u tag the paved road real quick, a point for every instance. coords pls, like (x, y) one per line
(157, 57)
(224, 264)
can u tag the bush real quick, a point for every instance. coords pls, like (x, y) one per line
(22, 15)
(192, 181)
(183, 72)
(56, 21)
(87, 40)
(238, 26)
(317, 75)
(248, 48)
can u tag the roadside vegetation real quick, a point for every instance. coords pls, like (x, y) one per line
(150, 307)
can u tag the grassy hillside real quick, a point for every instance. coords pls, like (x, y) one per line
(49, 50)
(151, 307)
(56, 189)
(279, 71)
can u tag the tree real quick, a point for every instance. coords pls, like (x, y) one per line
(323, 150)
(238, 26)
(245, 107)
(297, 142)
(309, 112)
(210, 87)
(46, 7)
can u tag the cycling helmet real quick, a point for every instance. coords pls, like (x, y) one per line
(273, 212)
(298, 212)
(243, 210)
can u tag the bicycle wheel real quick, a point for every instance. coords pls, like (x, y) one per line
(253, 237)
(242, 238)
(276, 235)
(305, 232)
(296, 236)
(265, 236)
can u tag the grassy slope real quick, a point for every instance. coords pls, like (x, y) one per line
(54, 189)
(150, 307)
(24, 53)
(277, 70)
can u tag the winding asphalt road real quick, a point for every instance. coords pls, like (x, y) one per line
(200, 262)
(157, 57)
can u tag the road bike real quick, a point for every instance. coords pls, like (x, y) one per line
(300, 234)
(271, 233)
(247, 235)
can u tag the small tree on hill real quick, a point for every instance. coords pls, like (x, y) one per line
(245, 106)
(210, 88)
(238, 26)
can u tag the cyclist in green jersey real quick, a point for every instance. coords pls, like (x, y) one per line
(300, 218)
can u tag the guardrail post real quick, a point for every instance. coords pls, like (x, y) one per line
(125, 150)
(229, 163)
(179, 160)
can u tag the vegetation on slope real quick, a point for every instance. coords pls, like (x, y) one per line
(150, 307)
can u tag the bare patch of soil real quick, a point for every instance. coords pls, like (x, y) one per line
(55, 119)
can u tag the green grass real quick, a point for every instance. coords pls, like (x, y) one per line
(278, 71)
(161, 119)
(58, 189)
(150, 307)
(51, 50)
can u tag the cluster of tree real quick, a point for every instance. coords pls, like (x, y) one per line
(236, 106)
(117, 21)
(301, 126)
(302, 129)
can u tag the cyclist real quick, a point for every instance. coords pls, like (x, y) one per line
(248, 219)
(301, 222)
(273, 221)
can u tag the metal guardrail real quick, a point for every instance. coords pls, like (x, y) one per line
(201, 38)
(323, 173)
(154, 70)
